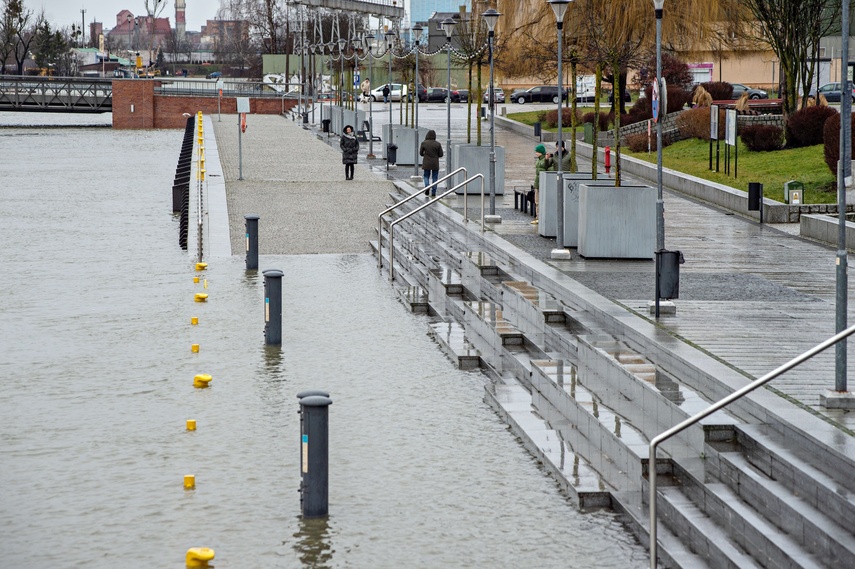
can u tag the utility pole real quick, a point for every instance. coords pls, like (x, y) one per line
(82, 27)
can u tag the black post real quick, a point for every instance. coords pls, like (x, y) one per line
(314, 456)
(273, 307)
(251, 242)
(755, 198)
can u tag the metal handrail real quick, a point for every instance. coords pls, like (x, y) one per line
(424, 205)
(715, 407)
(403, 201)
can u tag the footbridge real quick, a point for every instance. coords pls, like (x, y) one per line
(61, 94)
(392, 9)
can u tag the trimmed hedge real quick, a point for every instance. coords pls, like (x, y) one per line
(695, 123)
(762, 137)
(805, 127)
(831, 138)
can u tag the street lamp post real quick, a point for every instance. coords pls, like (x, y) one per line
(390, 36)
(314, 84)
(448, 26)
(368, 39)
(491, 16)
(342, 43)
(130, 30)
(560, 8)
(417, 36)
(658, 6)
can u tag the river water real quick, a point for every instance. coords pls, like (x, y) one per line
(96, 371)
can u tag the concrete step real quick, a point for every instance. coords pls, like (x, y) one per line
(673, 552)
(488, 320)
(813, 476)
(416, 298)
(452, 338)
(793, 513)
(743, 525)
(572, 472)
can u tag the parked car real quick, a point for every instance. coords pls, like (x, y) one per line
(422, 91)
(395, 94)
(213, 75)
(436, 95)
(831, 92)
(627, 98)
(739, 89)
(586, 95)
(460, 96)
(541, 94)
(499, 96)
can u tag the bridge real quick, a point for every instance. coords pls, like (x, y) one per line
(58, 94)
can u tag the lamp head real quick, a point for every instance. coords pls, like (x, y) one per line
(658, 4)
(342, 43)
(367, 39)
(390, 36)
(417, 32)
(491, 16)
(560, 8)
(448, 26)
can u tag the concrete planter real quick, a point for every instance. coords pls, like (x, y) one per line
(352, 118)
(476, 160)
(617, 223)
(408, 141)
(572, 182)
(547, 208)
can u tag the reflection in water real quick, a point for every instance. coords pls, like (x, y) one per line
(313, 542)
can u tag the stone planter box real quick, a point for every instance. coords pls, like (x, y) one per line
(352, 118)
(547, 209)
(571, 202)
(476, 160)
(617, 223)
(408, 141)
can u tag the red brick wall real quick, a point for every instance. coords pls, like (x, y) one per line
(166, 111)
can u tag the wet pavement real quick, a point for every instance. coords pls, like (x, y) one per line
(753, 296)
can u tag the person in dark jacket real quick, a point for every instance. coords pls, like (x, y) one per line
(431, 150)
(349, 151)
(386, 93)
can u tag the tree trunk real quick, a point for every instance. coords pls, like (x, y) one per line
(617, 96)
(598, 74)
(573, 118)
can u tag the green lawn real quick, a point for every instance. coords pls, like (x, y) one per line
(772, 169)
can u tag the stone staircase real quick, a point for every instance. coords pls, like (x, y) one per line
(585, 388)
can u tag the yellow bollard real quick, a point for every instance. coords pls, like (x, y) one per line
(199, 556)
(191, 424)
(194, 348)
(189, 481)
(194, 320)
(202, 380)
(205, 283)
(200, 297)
(201, 266)
(195, 279)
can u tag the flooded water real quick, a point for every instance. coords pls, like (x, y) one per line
(97, 370)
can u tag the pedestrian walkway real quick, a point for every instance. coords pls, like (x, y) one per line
(751, 295)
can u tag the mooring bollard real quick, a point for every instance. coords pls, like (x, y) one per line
(273, 307)
(314, 455)
(251, 242)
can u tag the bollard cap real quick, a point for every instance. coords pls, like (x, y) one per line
(316, 401)
(311, 392)
(251, 216)
(273, 273)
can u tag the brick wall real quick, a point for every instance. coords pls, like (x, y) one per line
(135, 106)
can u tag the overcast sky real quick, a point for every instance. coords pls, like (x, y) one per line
(62, 13)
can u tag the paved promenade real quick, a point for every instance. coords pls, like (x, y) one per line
(751, 295)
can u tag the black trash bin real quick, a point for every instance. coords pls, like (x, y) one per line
(305, 117)
(537, 129)
(669, 273)
(391, 153)
(755, 194)
(326, 125)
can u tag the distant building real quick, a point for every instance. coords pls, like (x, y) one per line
(223, 34)
(422, 10)
(139, 32)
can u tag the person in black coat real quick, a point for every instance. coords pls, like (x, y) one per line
(431, 150)
(349, 151)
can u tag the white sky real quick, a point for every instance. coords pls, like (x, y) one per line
(62, 13)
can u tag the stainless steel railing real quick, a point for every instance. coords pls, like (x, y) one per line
(428, 204)
(661, 438)
(402, 202)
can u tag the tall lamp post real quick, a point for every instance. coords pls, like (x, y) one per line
(390, 37)
(491, 16)
(560, 8)
(417, 36)
(130, 30)
(367, 40)
(448, 26)
(342, 43)
(658, 6)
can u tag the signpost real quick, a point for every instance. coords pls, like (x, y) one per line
(730, 140)
(243, 110)
(219, 99)
(714, 134)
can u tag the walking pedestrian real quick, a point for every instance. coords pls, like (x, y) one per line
(349, 151)
(386, 93)
(564, 157)
(431, 150)
(366, 90)
(542, 163)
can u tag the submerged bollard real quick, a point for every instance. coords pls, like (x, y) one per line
(251, 242)
(314, 455)
(273, 307)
